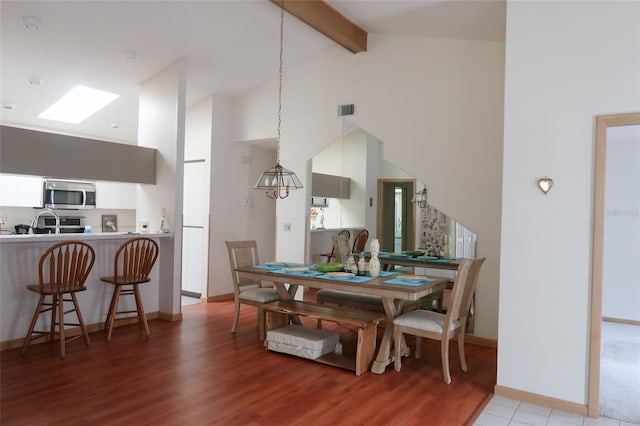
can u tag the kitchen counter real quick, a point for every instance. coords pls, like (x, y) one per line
(19, 258)
(95, 236)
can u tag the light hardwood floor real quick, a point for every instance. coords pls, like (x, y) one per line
(195, 372)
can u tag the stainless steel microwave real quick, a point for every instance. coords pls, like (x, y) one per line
(69, 194)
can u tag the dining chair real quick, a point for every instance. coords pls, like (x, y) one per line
(132, 265)
(360, 241)
(344, 234)
(63, 270)
(443, 327)
(248, 291)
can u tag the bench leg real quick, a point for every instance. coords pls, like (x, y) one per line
(366, 348)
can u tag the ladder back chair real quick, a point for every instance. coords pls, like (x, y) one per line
(344, 234)
(132, 265)
(63, 270)
(360, 241)
(443, 327)
(248, 291)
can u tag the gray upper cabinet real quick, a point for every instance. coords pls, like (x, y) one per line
(30, 152)
(330, 186)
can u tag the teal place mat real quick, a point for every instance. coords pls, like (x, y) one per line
(380, 254)
(395, 256)
(269, 267)
(354, 279)
(307, 273)
(411, 283)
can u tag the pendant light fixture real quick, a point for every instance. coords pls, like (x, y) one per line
(278, 181)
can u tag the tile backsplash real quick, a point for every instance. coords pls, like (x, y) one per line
(11, 216)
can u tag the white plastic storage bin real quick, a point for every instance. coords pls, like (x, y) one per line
(304, 342)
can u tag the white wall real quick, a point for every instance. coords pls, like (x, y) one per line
(566, 62)
(355, 167)
(436, 104)
(262, 212)
(198, 131)
(621, 269)
(229, 188)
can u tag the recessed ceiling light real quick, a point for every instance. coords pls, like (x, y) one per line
(31, 22)
(115, 125)
(78, 104)
(130, 56)
(9, 105)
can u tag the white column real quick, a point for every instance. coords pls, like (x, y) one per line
(161, 125)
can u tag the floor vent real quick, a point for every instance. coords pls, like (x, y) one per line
(346, 110)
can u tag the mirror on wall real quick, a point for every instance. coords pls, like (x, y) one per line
(344, 179)
(357, 156)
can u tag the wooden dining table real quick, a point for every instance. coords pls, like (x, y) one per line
(393, 297)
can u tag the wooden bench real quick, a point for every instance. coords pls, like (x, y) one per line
(365, 322)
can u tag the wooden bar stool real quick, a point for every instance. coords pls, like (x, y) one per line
(132, 264)
(63, 269)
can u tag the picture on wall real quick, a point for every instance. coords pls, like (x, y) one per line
(109, 223)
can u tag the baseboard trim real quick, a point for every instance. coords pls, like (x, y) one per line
(17, 343)
(220, 298)
(546, 401)
(170, 317)
(480, 341)
(621, 320)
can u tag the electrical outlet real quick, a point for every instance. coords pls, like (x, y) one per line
(286, 227)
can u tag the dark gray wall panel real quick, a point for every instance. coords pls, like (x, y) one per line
(31, 152)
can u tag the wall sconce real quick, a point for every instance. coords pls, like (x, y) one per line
(545, 184)
(420, 198)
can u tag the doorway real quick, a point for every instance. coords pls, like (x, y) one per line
(396, 215)
(603, 125)
(194, 231)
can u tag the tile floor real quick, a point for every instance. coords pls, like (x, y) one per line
(503, 411)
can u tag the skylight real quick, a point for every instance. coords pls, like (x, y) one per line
(78, 104)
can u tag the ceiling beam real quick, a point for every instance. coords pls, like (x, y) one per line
(325, 19)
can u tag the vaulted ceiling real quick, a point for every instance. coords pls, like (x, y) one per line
(230, 47)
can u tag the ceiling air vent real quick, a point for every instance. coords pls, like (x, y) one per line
(346, 110)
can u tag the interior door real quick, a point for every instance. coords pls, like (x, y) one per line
(396, 215)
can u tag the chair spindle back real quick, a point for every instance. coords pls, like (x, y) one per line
(135, 258)
(66, 266)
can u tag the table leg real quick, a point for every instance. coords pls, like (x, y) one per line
(287, 294)
(391, 309)
(284, 292)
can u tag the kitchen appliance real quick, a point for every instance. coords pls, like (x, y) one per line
(68, 224)
(22, 229)
(69, 194)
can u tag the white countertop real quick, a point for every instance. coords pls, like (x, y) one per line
(23, 238)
